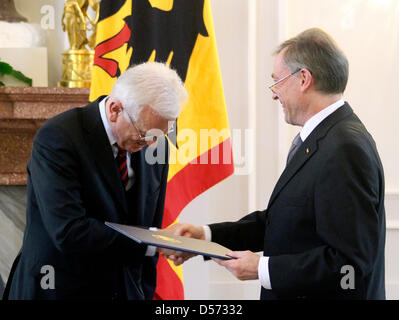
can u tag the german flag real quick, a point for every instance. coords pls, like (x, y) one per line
(179, 33)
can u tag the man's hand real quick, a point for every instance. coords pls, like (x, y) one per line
(185, 230)
(245, 267)
(189, 230)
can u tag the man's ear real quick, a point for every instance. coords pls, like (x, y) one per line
(306, 79)
(114, 108)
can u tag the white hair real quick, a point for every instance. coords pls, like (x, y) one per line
(153, 84)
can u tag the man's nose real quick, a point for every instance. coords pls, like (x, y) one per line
(274, 96)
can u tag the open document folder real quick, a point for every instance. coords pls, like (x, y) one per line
(164, 240)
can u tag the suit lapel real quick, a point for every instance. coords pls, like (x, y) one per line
(308, 148)
(147, 182)
(304, 153)
(101, 149)
(135, 193)
(141, 186)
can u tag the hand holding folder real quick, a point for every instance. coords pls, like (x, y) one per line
(185, 230)
(243, 265)
(175, 245)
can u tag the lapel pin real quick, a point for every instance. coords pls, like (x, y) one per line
(307, 150)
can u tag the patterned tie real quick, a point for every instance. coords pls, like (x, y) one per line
(296, 143)
(121, 162)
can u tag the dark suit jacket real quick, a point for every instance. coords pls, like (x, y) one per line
(1, 287)
(326, 211)
(73, 187)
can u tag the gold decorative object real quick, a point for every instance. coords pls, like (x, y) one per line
(77, 62)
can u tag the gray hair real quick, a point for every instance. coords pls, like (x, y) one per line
(153, 84)
(316, 51)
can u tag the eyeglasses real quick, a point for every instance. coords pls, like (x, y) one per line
(148, 138)
(273, 86)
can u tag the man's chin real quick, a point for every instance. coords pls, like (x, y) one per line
(285, 115)
(287, 119)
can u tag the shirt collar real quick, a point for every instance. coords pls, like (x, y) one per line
(314, 121)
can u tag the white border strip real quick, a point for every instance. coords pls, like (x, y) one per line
(392, 195)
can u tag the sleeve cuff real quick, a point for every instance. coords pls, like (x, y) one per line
(263, 273)
(208, 233)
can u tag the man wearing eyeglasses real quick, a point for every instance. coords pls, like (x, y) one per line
(323, 231)
(88, 165)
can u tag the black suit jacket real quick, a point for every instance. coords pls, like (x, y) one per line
(73, 187)
(326, 211)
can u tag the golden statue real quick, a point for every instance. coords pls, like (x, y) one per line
(95, 5)
(78, 60)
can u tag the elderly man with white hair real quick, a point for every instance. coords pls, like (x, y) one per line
(88, 166)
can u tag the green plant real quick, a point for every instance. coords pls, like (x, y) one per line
(6, 69)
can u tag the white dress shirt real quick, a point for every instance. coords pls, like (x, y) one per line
(309, 126)
(150, 249)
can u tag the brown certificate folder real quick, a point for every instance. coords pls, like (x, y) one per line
(164, 240)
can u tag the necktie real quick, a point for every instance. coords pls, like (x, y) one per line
(121, 162)
(296, 143)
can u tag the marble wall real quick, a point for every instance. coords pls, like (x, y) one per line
(12, 225)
